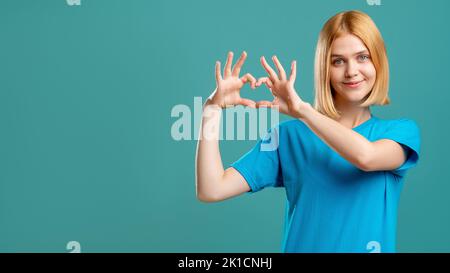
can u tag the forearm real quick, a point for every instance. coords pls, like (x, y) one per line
(346, 142)
(209, 167)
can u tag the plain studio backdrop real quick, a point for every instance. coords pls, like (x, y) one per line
(87, 158)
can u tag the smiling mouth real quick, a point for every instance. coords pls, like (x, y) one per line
(353, 84)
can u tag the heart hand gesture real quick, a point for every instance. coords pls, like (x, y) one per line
(228, 87)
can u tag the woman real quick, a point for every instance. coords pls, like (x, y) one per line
(341, 166)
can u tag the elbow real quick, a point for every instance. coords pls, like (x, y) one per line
(364, 163)
(364, 159)
(364, 167)
(207, 198)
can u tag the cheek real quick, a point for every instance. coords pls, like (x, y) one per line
(336, 75)
(369, 73)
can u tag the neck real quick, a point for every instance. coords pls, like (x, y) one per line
(352, 114)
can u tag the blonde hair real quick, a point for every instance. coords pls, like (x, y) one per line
(362, 26)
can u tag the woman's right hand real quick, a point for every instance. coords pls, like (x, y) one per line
(228, 87)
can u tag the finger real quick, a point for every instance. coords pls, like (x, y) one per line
(249, 78)
(263, 103)
(227, 71)
(293, 71)
(238, 65)
(264, 80)
(280, 68)
(218, 76)
(268, 69)
(261, 81)
(247, 102)
(269, 86)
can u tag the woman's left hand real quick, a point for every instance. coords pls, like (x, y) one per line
(282, 88)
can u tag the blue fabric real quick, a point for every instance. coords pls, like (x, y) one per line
(332, 206)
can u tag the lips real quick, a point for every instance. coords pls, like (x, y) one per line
(353, 83)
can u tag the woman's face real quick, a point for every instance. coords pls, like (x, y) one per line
(352, 73)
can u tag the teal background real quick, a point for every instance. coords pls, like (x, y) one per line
(86, 94)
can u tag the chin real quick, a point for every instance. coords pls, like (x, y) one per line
(352, 95)
(355, 99)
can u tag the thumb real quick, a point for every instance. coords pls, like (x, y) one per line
(247, 102)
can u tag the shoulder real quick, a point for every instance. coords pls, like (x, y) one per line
(293, 127)
(296, 132)
(399, 124)
(293, 124)
(403, 130)
(288, 130)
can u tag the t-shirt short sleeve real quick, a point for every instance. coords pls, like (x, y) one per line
(407, 134)
(261, 165)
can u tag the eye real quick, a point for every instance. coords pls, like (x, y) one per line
(363, 57)
(338, 61)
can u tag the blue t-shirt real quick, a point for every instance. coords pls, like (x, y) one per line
(332, 206)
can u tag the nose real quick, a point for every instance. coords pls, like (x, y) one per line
(351, 69)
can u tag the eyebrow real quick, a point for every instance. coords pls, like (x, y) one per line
(357, 53)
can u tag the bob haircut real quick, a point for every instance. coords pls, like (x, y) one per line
(362, 26)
